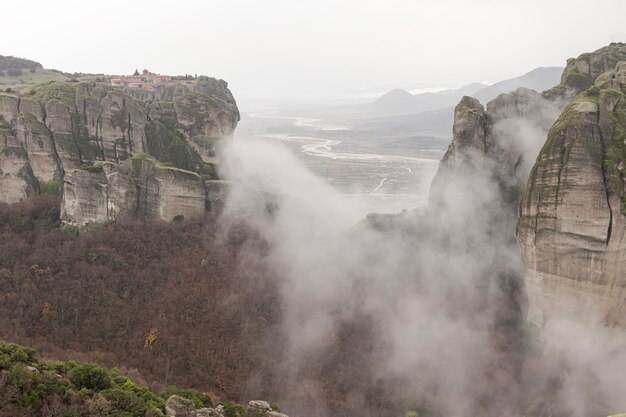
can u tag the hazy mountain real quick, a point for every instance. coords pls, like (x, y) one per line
(400, 101)
(539, 79)
(437, 122)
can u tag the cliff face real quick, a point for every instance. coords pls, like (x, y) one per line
(140, 188)
(580, 73)
(571, 226)
(571, 229)
(495, 144)
(84, 135)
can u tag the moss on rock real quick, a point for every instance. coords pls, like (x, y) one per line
(63, 91)
(170, 147)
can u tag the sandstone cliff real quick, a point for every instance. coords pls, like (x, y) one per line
(83, 136)
(571, 218)
(493, 148)
(571, 228)
(581, 72)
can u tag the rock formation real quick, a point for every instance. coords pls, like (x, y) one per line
(140, 188)
(177, 406)
(116, 153)
(580, 73)
(571, 229)
(493, 145)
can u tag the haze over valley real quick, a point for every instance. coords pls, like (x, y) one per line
(383, 153)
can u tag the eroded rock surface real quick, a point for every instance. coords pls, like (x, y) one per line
(496, 144)
(572, 226)
(80, 136)
(580, 73)
(140, 188)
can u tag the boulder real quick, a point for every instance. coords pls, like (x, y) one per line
(177, 406)
(257, 408)
(275, 414)
(210, 412)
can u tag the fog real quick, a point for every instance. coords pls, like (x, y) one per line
(424, 309)
(431, 295)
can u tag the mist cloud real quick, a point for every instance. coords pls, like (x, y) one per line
(439, 292)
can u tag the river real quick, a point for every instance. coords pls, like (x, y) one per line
(384, 179)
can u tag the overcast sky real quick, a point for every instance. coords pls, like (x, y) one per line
(311, 48)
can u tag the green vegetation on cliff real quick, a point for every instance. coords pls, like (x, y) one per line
(38, 130)
(168, 146)
(581, 72)
(615, 153)
(5, 129)
(34, 388)
(30, 387)
(595, 120)
(63, 91)
(49, 187)
(139, 159)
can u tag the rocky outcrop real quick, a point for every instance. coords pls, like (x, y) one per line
(82, 137)
(258, 408)
(572, 227)
(474, 196)
(496, 143)
(141, 188)
(177, 406)
(16, 176)
(580, 73)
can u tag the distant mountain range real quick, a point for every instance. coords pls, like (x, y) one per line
(401, 113)
(539, 79)
(401, 102)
